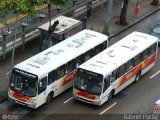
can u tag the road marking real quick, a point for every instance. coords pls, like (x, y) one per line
(68, 100)
(154, 74)
(107, 108)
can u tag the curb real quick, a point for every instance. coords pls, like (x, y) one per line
(134, 23)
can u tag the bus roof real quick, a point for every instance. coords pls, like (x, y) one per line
(119, 53)
(65, 23)
(62, 52)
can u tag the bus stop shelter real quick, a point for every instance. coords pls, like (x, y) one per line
(62, 31)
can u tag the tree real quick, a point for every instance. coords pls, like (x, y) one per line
(51, 27)
(17, 7)
(3, 11)
(154, 2)
(123, 13)
(108, 17)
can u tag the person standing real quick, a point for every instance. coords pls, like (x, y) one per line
(84, 22)
(89, 8)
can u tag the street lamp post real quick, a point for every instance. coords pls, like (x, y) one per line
(23, 25)
(4, 34)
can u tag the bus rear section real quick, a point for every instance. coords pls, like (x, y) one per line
(109, 72)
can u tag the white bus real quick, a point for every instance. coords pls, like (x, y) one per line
(38, 79)
(107, 73)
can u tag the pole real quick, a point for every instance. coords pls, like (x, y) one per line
(108, 17)
(13, 51)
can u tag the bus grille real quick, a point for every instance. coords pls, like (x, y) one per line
(88, 101)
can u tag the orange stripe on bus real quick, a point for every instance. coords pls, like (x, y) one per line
(68, 78)
(149, 61)
(86, 95)
(21, 97)
(139, 67)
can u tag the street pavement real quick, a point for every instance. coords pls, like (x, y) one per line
(96, 22)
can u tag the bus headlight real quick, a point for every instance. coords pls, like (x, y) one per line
(98, 101)
(10, 92)
(32, 101)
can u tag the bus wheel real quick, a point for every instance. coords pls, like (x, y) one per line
(137, 76)
(49, 97)
(111, 94)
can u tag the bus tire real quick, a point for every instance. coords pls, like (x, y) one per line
(49, 97)
(137, 76)
(111, 94)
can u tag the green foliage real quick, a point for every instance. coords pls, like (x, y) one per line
(55, 2)
(3, 11)
(20, 6)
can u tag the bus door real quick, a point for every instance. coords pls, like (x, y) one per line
(42, 85)
(60, 78)
(106, 89)
(52, 83)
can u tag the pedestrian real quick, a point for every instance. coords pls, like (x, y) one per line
(84, 22)
(89, 9)
(65, 35)
(56, 39)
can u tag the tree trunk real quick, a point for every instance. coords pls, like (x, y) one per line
(123, 13)
(108, 17)
(154, 2)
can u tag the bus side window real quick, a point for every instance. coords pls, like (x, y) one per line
(145, 54)
(88, 55)
(104, 45)
(121, 70)
(60, 72)
(113, 76)
(70, 66)
(129, 65)
(79, 60)
(51, 77)
(137, 60)
(42, 85)
(153, 49)
(98, 49)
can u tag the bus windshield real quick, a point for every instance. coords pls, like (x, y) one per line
(89, 81)
(24, 83)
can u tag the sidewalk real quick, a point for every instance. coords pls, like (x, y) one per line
(96, 22)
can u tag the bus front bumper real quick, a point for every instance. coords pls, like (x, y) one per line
(28, 104)
(94, 102)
